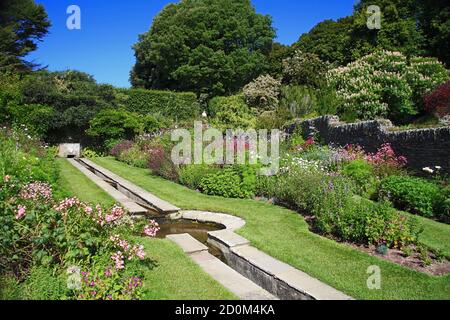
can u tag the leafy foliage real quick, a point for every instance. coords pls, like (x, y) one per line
(230, 183)
(263, 93)
(304, 69)
(415, 195)
(115, 124)
(192, 175)
(23, 23)
(207, 46)
(231, 112)
(384, 84)
(179, 106)
(438, 102)
(363, 174)
(412, 27)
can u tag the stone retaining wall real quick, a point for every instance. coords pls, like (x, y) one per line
(422, 147)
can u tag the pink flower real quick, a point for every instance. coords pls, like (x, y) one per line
(6, 179)
(36, 191)
(21, 211)
(151, 229)
(118, 260)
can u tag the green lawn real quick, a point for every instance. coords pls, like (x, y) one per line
(177, 277)
(174, 276)
(284, 234)
(435, 235)
(73, 182)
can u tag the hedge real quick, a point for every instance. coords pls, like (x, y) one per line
(176, 105)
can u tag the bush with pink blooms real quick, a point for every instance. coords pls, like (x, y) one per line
(42, 229)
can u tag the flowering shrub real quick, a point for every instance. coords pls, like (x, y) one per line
(263, 93)
(340, 214)
(40, 230)
(385, 161)
(120, 147)
(134, 156)
(151, 229)
(304, 69)
(106, 283)
(438, 102)
(160, 162)
(384, 84)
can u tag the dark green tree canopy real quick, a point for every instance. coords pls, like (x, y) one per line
(412, 27)
(22, 25)
(205, 46)
(328, 40)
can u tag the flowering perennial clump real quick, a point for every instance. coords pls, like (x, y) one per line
(386, 155)
(36, 191)
(151, 229)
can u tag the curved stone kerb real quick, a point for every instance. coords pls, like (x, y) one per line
(230, 222)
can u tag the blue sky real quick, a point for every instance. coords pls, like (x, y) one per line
(109, 28)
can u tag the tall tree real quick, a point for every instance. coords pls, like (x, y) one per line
(434, 20)
(23, 24)
(329, 40)
(412, 27)
(205, 46)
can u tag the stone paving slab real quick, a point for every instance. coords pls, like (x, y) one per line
(225, 275)
(311, 286)
(291, 276)
(274, 268)
(159, 204)
(187, 243)
(129, 205)
(230, 222)
(228, 237)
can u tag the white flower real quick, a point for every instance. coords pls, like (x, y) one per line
(438, 167)
(428, 169)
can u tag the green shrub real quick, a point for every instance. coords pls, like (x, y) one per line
(442, 209)
(115, 124)
(192, 175)
(305, 69)
(237, 182)
(301, 101)
(231, 112)
(412, 194)
(341, 214)
(151, 124)
(273, 119)
(74, 96)
(175, 105)
(37, 118)
(362, 173)
(88, 153)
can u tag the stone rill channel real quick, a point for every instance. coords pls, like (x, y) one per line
(210, 240)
